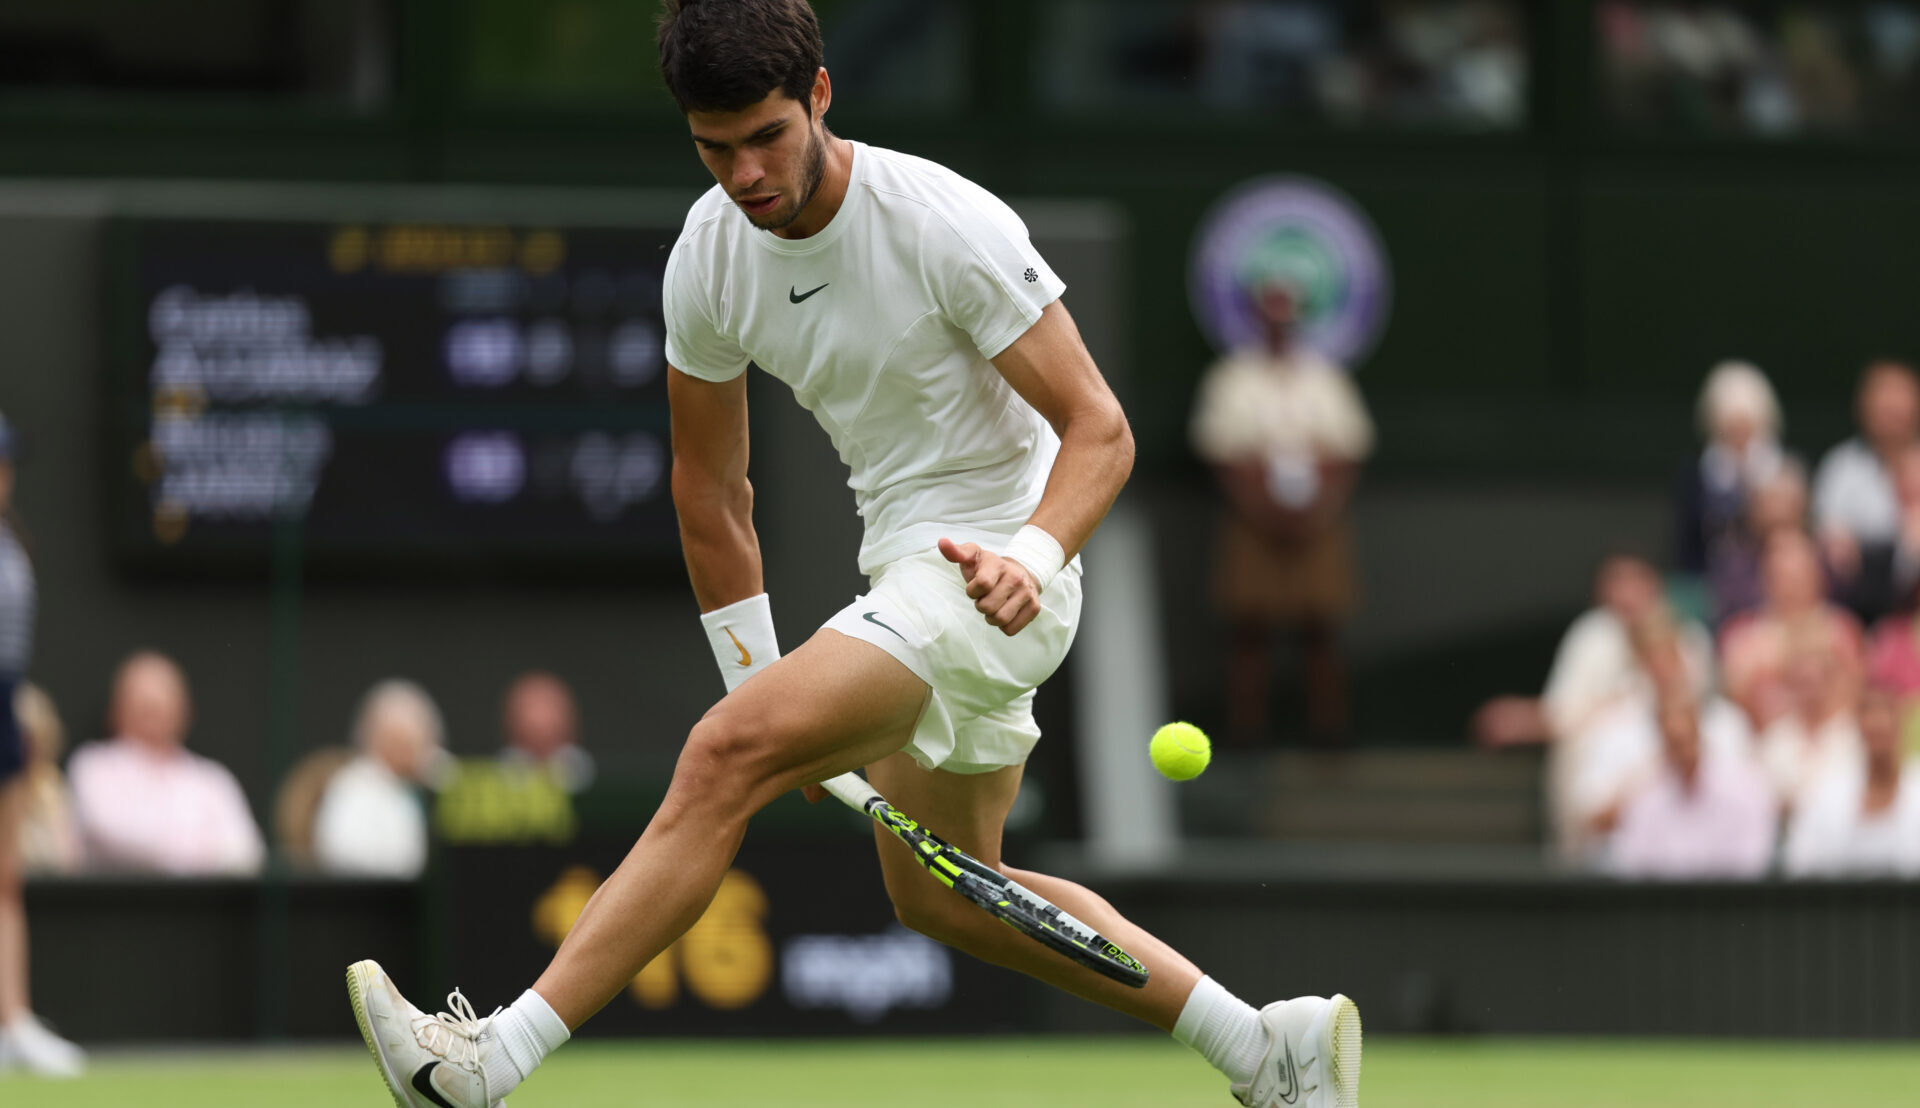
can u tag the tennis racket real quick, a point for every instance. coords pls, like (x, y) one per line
(1009, 901)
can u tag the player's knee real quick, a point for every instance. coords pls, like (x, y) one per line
(718, 762)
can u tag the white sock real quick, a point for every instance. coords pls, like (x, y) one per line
(528, 1031)
(1224, 1029)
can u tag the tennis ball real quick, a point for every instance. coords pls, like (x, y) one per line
(1180, 751)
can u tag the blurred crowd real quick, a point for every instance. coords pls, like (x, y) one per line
(1765, 69)
(1450, 63)
(140, 802)
(1758, 709)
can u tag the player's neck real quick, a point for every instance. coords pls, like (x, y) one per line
(833, 192)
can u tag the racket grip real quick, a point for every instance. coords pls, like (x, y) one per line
(852, 790)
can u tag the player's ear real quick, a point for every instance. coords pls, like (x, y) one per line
(822, 96)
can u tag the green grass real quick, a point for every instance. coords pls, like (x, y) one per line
(1130, 1072)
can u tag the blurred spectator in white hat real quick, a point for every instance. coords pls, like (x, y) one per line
(1285, 431)
(1740, 419)
(371, 822)
(541, 725)
(1865, 821)
(1856, 506)
(148, 804)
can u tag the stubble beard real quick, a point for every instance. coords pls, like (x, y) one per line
(812, 173)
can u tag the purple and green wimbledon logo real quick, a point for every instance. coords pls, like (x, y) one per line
(1301, 232)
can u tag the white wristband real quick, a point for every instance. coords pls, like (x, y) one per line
(1040, 552)
(742, 638)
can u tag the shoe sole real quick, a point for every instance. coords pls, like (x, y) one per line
(1344, 1057)
(359, 976)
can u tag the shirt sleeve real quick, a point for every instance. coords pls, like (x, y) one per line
(695, 345)
(985, 274)
(239, 847)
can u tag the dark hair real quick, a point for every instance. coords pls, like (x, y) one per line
(726, 55)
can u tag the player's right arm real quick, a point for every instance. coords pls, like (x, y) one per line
(710, 489)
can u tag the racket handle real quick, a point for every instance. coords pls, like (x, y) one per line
(852, 790)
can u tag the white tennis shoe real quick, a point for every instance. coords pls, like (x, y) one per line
(27, 1043)
(1313, 1056)
(428, 1061)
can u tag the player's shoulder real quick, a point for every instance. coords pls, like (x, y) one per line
(702, 237)
(917, 186)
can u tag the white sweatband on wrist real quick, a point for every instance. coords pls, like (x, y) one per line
(741, 635)
(1040, 552)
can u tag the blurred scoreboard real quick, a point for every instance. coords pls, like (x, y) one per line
(390, 395)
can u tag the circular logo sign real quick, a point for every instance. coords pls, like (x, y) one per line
(1303, 233)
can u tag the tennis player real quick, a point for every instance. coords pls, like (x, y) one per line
(908, 311)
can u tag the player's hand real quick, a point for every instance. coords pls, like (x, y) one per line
(1002, 589)
(814, 793)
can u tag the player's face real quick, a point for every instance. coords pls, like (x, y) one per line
(770, 157)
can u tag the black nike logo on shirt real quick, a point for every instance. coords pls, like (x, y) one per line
(797, 296)
(422, 1082)
(870, 617)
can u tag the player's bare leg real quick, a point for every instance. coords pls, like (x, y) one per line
(23, 1040)
(831, 706)
(969, 810)
(1303, 1052)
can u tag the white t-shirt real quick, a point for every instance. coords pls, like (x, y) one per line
(1831, 837)
(883, 324)
(370, 823)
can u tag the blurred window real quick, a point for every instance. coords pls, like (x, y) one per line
(599, 54)
(1454, 64)
(332, 52)
(1760, 69)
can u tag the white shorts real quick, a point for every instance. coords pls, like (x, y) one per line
(979, 717)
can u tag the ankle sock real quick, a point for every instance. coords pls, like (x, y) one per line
(1224, 1029)
(528, 1031)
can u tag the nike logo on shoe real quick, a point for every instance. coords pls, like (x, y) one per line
(796, 296)
(423, 1084)
(870, 618)
(1290, 1090)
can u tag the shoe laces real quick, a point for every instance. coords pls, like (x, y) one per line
(454, 1035)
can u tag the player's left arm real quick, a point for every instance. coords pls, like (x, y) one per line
(1050, 368)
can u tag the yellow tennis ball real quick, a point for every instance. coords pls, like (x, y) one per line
(1180, 751)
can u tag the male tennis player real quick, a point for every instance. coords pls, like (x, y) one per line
(908, 311)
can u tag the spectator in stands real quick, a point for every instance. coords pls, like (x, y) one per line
(1286, 432)
(1699, 814)
(49, 837)
(1855, 506)
(1740, 418)
(1733, 565)
(22, 1035)
(1758, 649)
(148, 804)
(542, 730)
(370, 822)
(1818, 738)
(1893, 652)
(1592, 771)
(1865, 822)
(1597, 665)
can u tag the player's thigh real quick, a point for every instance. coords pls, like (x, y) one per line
(833, 705)
(968, 810)
(13, 812)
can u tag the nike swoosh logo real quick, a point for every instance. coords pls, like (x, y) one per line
(1291, 1092)
(423, 1083)
(796, 296)
(869, 617)
(746, 659)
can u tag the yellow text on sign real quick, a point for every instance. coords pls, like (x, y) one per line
(725, 959)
